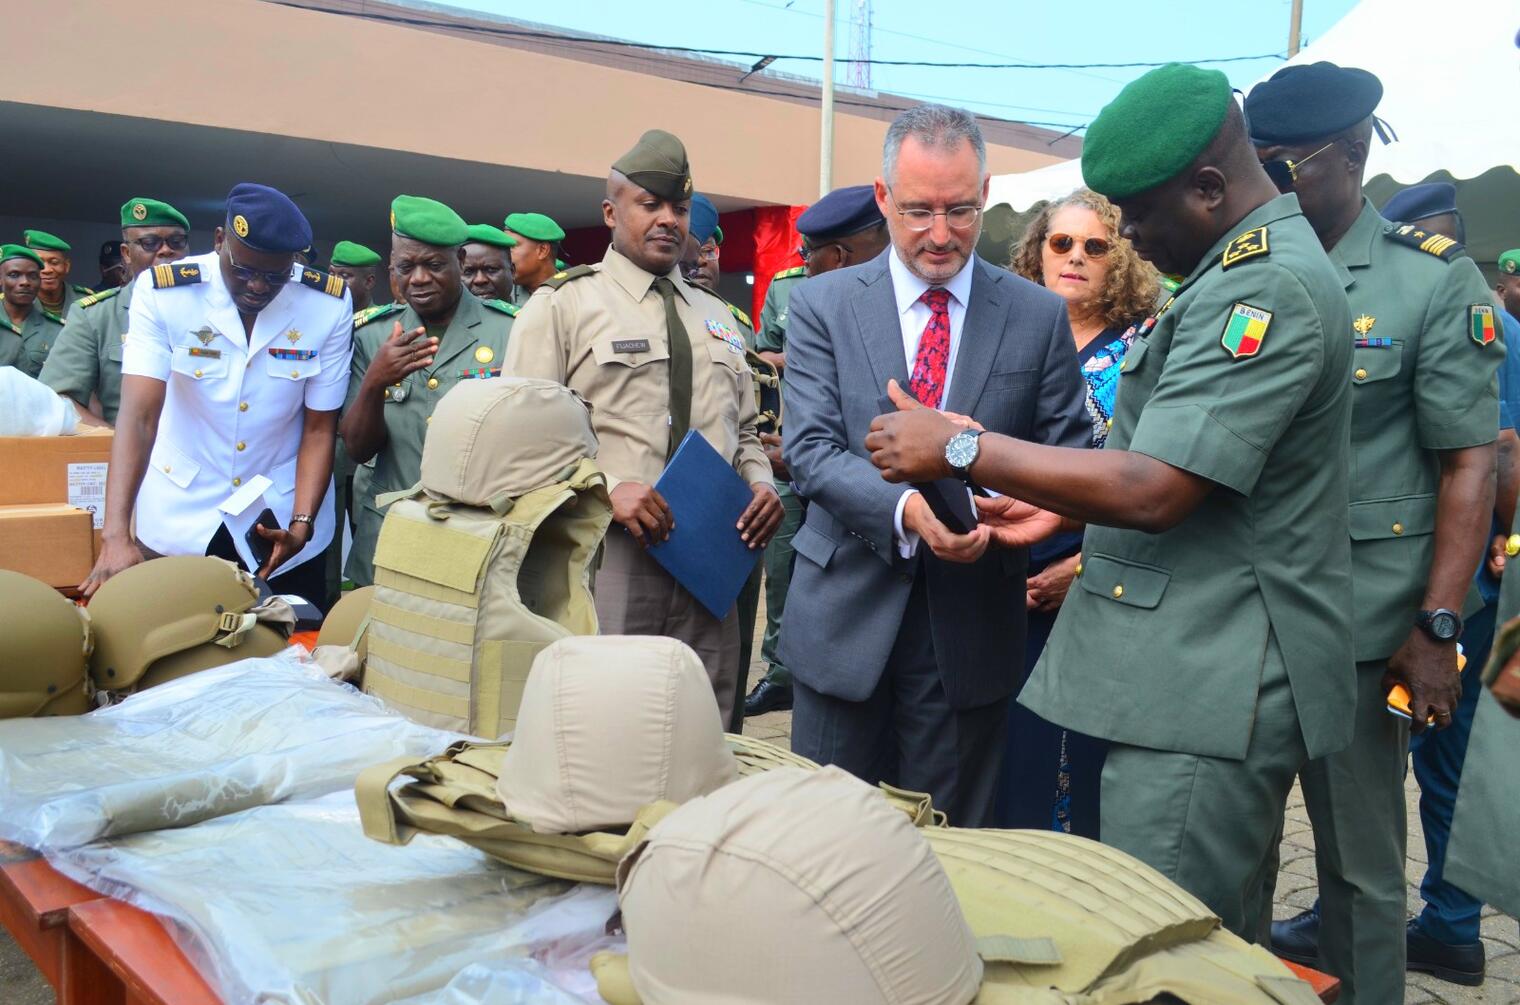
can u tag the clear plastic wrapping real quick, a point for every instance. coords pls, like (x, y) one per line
(247, 734)
(293, 904)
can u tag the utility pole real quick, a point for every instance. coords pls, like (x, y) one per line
(1295, 23)
(826, 139)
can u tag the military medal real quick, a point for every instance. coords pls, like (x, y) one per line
(484, 354)
(204, 334)
(299, 354)
(294, 335)
(480, 372)
(1363, 325)
(724, 333)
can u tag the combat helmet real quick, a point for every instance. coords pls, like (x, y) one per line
(44, 650)
(347, 624)
(173, 616)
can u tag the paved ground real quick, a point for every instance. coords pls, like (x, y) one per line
(21, 985)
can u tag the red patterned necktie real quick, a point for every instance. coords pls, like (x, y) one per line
(928, 381)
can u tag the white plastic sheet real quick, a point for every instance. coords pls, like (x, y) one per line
(29, 407)
(293, 904)
(250, 733)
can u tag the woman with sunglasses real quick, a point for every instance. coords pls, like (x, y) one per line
(85, 363)
(1072, 247)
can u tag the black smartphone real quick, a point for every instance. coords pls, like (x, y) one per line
(948, 498)
(261, 548)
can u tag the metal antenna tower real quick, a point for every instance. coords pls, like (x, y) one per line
(860, 45)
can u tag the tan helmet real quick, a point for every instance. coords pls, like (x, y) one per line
(347, 624)
(609, 724)
(170, 617)
(44, 650)
(492, 440)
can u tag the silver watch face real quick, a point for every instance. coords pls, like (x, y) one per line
(961, 451)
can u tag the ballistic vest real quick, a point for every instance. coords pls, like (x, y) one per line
(488, 558)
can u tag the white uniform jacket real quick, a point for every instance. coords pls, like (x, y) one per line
(234, 407)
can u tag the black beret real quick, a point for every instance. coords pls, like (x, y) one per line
(842, 212)
(266, 220)
(1419, 202)
(1310, 101)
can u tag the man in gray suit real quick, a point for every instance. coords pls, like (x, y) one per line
(909, 638)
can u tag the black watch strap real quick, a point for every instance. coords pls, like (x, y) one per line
(1441, 624)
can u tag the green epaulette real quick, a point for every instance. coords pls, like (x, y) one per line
(1251, 244)
(175, 274)
(740, 316)
(510, 310)
(326, 282)
(796, 270)
(1427, 241)
(83, 291)
(57, 319)
(559, 279)
(95, 298)
(378, 311)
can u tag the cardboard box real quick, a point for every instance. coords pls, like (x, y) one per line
(51, 542)
(57, 469)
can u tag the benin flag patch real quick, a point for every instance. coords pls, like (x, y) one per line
(1480, 319)
(1245, 330)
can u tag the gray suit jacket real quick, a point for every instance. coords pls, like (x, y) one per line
(1015, 372)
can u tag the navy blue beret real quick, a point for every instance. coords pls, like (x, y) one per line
(842, 212)
(1419, 202)
(1310, 101)
(704, 218)
(266, 220)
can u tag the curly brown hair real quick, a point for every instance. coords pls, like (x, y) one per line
(1133, 283)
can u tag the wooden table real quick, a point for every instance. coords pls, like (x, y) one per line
(34, 906)
(119, 955)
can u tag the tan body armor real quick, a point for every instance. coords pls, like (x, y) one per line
(489, 558)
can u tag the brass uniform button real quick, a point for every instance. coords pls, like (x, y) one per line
(167, 469)
(243, 406)
(197, 373)
(1398, 528)
(241, 445)
(1078, 570)
(295, 374)
(387, 394)
(432, 383)
(1118, 592)
(430, 419)
(236, 482)
(1512, 545)
(1360, 374)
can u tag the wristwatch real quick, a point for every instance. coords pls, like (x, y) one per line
(962, 450)
(307, 519)
(1440, 624)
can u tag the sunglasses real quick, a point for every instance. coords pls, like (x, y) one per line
(1092, 247)
(152, 242)
(1284, 173)
(273, 280)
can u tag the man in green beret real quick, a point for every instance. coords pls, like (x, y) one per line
(30, 329)
(533, 260)
(408, 355)
(85, 363)
(1425, 417)
(1208, 634)
(57, 294)
(487, 263)
(1508, 284)
(656, 356)
(358, 267)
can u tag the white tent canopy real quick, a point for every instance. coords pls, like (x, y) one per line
(1443, 95)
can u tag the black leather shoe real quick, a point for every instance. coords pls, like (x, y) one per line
(1297, 939)
(768, 696)
(1443, 961)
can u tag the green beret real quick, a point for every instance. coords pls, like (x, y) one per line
(1509, 262)
(42, 240)
(484, 233)
(534, 226)
(657, 163)
(355, 256)
(559, 263)
(151, 213)
(9, 251)
(428, 221)
(718, 234)
(1156, 126)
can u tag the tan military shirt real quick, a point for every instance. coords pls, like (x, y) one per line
(603, 335)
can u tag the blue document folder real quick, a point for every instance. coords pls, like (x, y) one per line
(705, 553)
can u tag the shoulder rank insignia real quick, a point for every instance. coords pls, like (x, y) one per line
(1245, 330)
(1480, 323)
(165, 276)
(1427, 241)
(796, 270)
(330, 284)
(376, 311)
(510, 310)
(741, 317)
(83, 291)
(574, 272)
(57, 319)
(1244, 246)
(95, 298)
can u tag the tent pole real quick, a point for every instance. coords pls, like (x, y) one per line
(1295, 24)
(826, 139)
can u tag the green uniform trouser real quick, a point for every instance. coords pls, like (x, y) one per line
(1209, 823)
(778, 578)
(1355, 800)
(343, 497)
(748, 604)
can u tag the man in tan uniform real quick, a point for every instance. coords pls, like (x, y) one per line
(655, 356)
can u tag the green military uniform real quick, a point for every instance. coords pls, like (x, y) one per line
(778, 554)
(470, 347)
(86, 358)
(39, 240)
(26, 346)
(1423, 381)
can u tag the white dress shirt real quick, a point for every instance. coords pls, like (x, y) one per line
(913, 315)
(234, 405)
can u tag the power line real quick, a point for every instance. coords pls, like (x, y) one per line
(698, 50)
